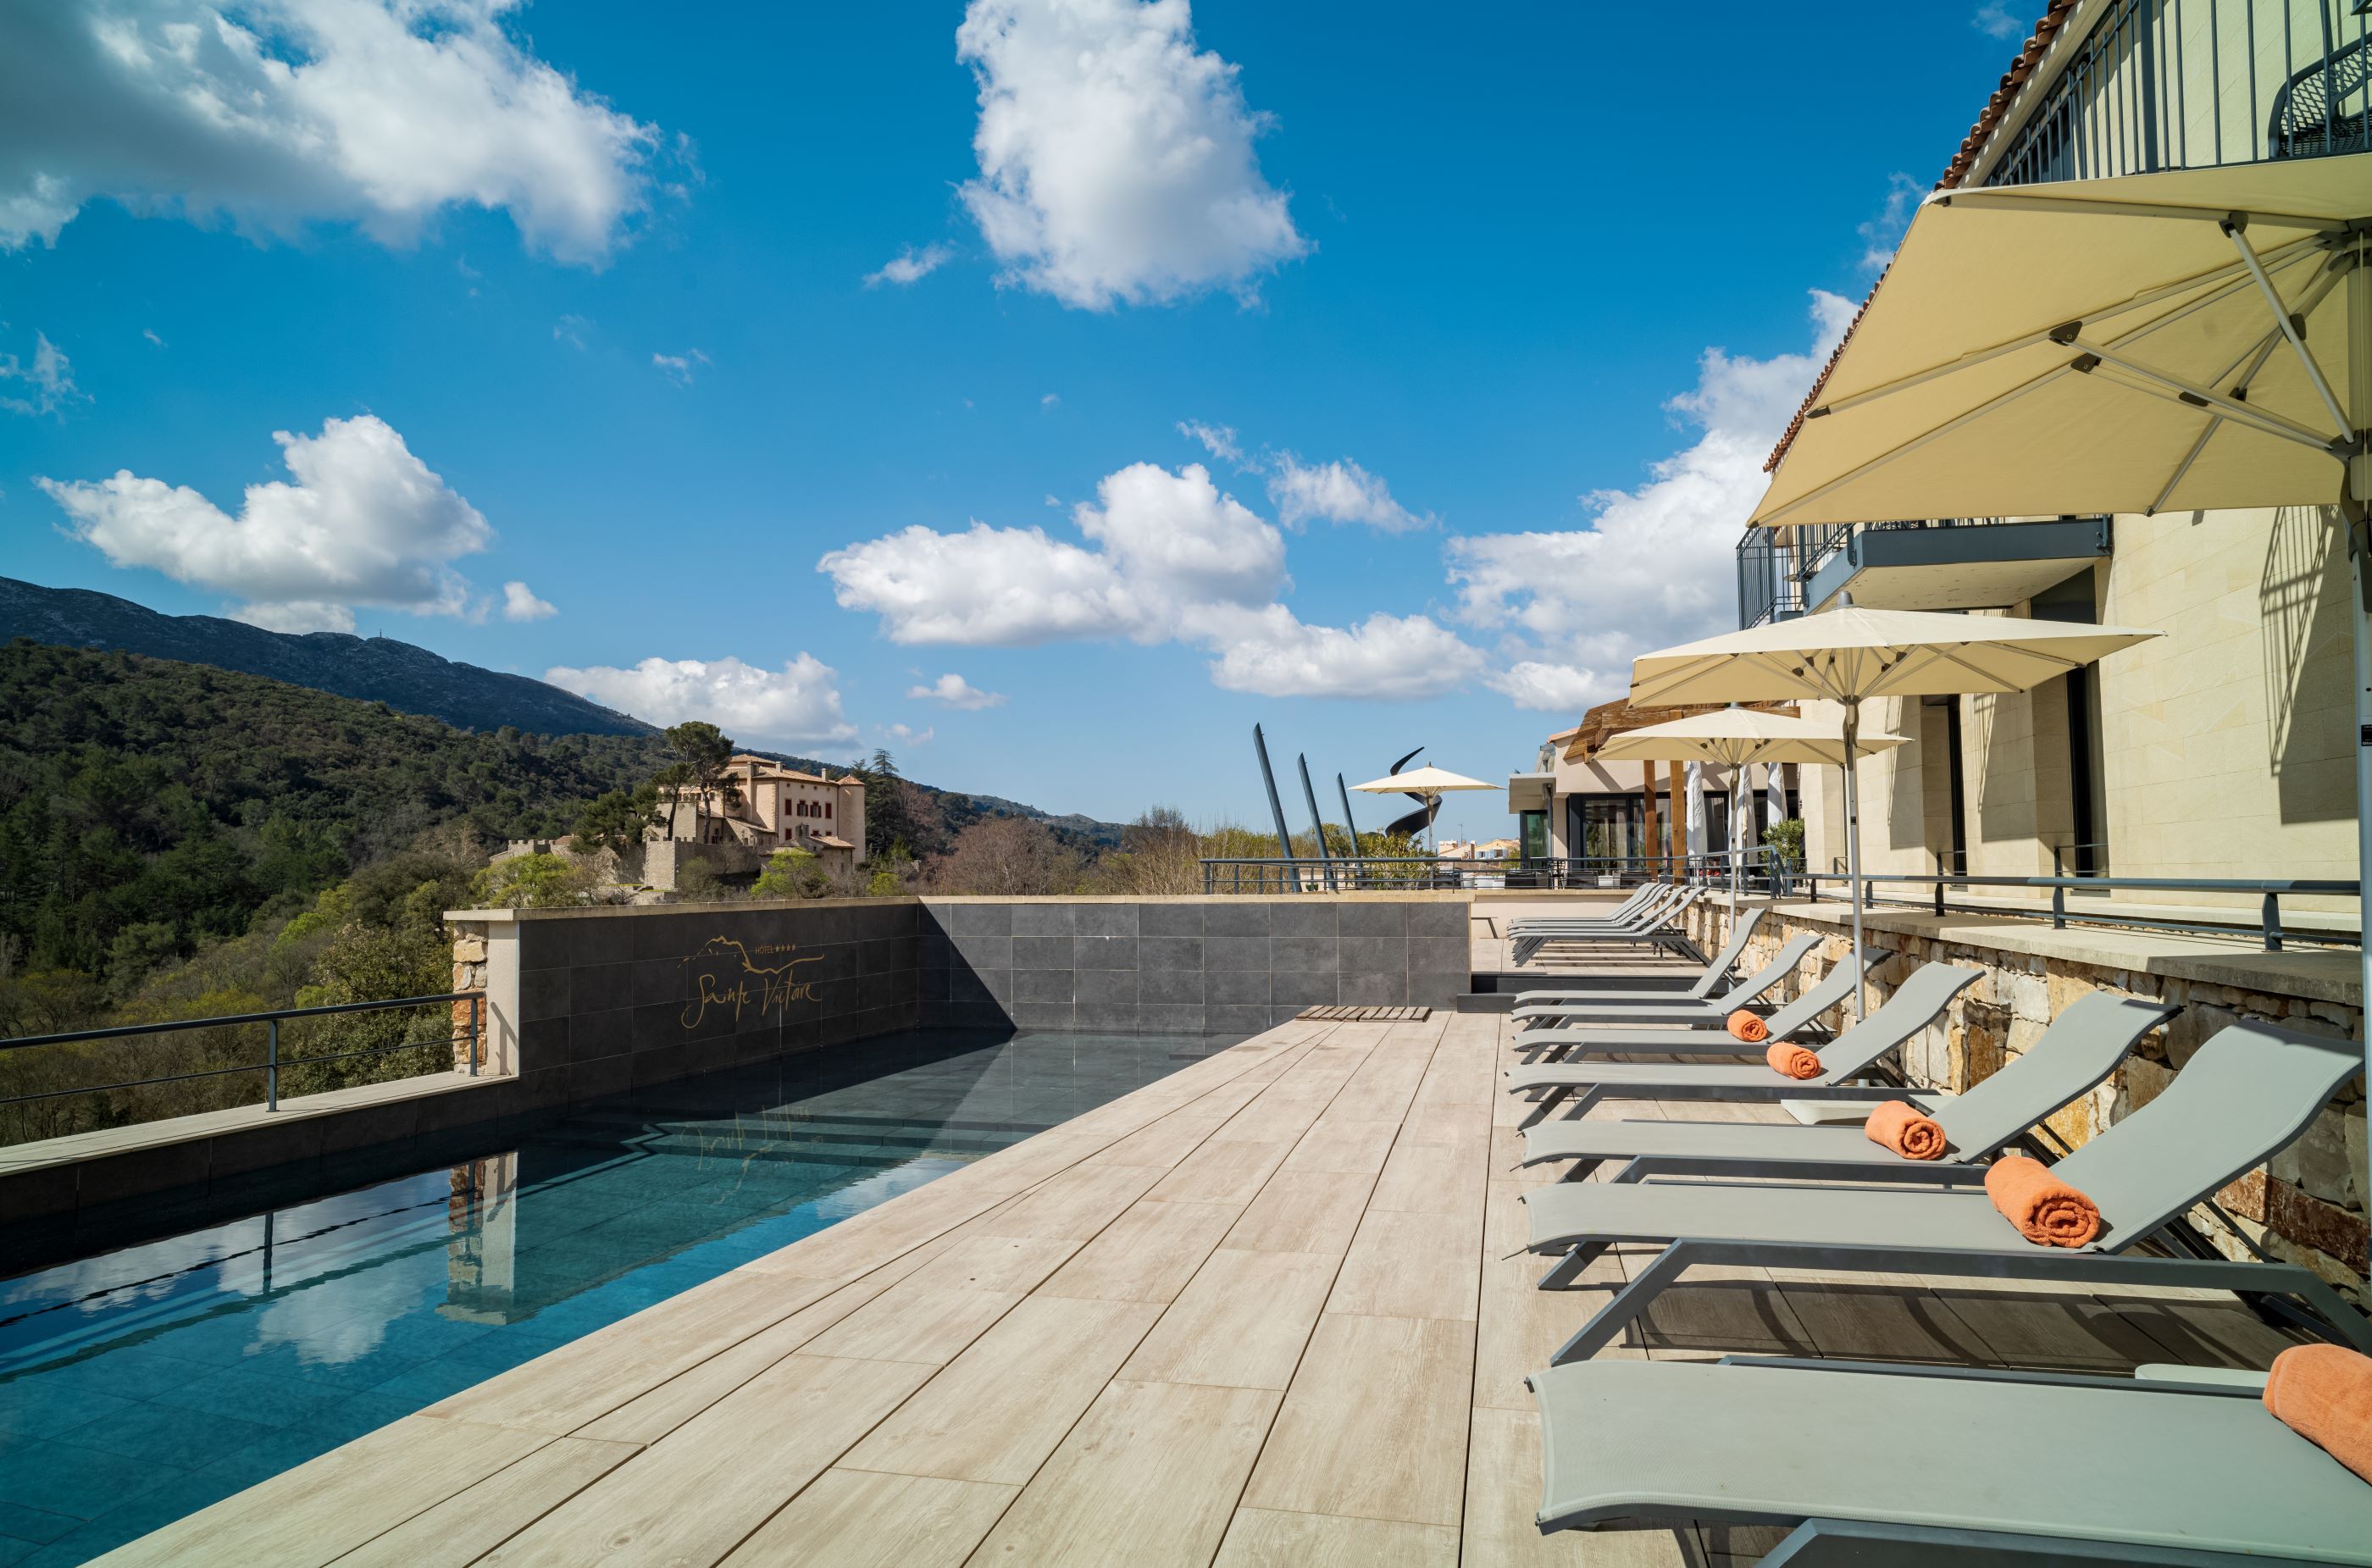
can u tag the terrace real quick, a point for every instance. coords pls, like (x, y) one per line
(1268, 1307)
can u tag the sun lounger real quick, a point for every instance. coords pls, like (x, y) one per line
(1717, 975)
(1583, 1012)
(2243, 1097)
(1915, 1002)
(1659, 929)
(1944, 1465)
(1639, 896)
(2081, 1048)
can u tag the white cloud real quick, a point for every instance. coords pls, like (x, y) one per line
(1173, 559)
(677, 367)
(1116, 160)
(1050, 400)
(365, 522)
(383, 111)
(1219, 440)
(48, 381)
(1340, 493)
(571, 329)
(907, 735)
(955, 692)
(520, 603)
(150, 333)
(1995, 19)
(797, 705)
(910, 266)
(1881, 234)
(1398, 656)
(1657, 564)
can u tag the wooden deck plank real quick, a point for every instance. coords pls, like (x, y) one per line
(867, 1520)
(690, 1497)
(1000, 1408)
(1263, 1538)
(1344, 1145)
(1147, 1254)
(1374, 1426)
(1404, 1265)
(1103, 1499)
(470, 1523)
(1303, 1211)
(1228, 1172)
(315, 1512)
(1241, 1323)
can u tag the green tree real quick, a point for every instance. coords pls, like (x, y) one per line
(791, 874)
(532, 881)
(707, 752)
(617, 819)
(889, 814)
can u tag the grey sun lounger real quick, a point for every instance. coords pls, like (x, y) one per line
(2243, 1097)
(1944, 1467)
(1716, 974)
(1583, 1012)
(1844, 1060)
(2079, 1050)
(1798, 1021)
(1660, 929)
(1650, 916)
(1639, 896)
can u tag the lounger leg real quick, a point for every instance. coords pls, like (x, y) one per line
(1541, 1107)
(1628, 1303)
(1581, 1170)
(1567, 1269)
(1856, 1543)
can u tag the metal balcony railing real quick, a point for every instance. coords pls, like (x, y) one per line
(1372, 874)
(1776, 567)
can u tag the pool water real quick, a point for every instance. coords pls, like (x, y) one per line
(142, 1383)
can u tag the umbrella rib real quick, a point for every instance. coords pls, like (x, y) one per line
(2013, 197)
(1916, 442)
(2202, 396)
(2224, 276)
(2236, 281)
(2288, 328)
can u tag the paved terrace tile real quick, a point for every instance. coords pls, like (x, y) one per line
(1259, 1312)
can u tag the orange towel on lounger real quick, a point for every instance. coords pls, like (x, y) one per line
(1898, 1126)
(1748, 1027)
(2046, 1210)
(2324, 1394)
(1792, 1060)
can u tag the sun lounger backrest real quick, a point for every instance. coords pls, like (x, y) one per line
(2241, 1099)
(1782, 961)
(2082, 1046)
(1741, 931)
(1912, 1008)
(1814, 1000)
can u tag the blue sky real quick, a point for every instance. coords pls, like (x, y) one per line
(1501, 315)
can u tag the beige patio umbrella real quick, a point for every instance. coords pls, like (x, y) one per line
(1850, 654)
(1733, 737)
(2196, 339)
(1429, 783)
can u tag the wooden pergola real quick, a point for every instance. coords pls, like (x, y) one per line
(1604, 722)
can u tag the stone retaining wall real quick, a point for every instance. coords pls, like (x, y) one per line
(2304, 1206)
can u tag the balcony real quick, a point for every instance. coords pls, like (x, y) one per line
(1923, 563)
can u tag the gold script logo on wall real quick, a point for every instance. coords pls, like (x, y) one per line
(734, 977)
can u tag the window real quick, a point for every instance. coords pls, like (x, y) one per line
(827, 810)
(1606, 826)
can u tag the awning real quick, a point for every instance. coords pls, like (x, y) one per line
(1530, 792)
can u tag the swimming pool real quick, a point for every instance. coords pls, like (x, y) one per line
(142, 1383)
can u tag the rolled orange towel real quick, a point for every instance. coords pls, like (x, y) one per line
(1792, 1060)
(2324, 1394)
(1746, 1027)
(1898, 1126)
(2046, 1210)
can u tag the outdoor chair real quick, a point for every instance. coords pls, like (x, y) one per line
(1639, 896)
(1894, 1021)
(2243, 1097)
(2079, 1050)
(1718, 973)
(1579, 1010)
(1659, 929)
(1944, 1466)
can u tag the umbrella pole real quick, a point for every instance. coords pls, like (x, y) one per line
(1736, 852)
(2354, 495)
(1853, 851)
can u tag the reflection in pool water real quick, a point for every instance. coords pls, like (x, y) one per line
(142, 1383)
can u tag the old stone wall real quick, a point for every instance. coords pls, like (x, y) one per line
(2305, 1206)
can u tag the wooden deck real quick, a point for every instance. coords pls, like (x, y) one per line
(1259, 1312)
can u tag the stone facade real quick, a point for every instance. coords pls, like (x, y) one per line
(2305, 1206)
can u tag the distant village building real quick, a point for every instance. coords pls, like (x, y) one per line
(769, 807)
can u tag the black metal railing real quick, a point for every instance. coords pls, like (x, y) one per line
(273, 1062)
(1776, 567)
(1306, 873)
(2269, 892)
(2194, 84)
